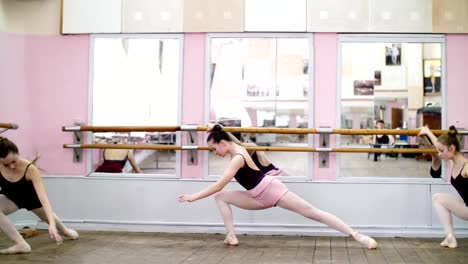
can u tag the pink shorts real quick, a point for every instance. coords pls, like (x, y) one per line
(268, 192)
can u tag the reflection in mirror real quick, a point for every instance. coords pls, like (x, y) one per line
(392, 85)
(135, 83)
(261, 82)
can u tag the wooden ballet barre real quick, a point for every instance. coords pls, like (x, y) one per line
(272, 130)
(257, 148)
(408, 132)
(132, 128)
(133, 146)
(8, 125)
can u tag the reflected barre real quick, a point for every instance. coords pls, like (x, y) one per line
(257, 148)
(266, 130)
(132, 128)
(5, 126)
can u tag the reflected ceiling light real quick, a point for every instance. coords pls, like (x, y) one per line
(323, 15)
(165, 15)
(137, 16)
(385, 15)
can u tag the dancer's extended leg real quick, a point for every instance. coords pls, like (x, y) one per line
(21, 246)
(293, 202)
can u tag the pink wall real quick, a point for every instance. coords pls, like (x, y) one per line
(193, 97)
(325, 105)
(45, 82)
(457, 86)
(57, 69)
(15, 105)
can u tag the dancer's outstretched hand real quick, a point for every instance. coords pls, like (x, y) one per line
(185, 198)
(55, 235)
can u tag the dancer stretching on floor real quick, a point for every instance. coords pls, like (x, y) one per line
(21, 187)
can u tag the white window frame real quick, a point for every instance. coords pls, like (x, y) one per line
(309, 166)
(391, 38)
(178, 162)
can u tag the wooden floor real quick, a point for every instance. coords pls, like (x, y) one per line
(134, 248)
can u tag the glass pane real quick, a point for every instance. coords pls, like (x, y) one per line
(392, 85)
(261, 82)
(136, 83)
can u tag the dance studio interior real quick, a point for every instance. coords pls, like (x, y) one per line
(308, 83)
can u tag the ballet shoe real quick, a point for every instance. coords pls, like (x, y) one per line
(449, 242)
(367, 241)
(231, 240)
(27, 232)
(70, 234)
(20, 248)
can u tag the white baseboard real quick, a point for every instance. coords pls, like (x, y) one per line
(26, 223)
(253, 229)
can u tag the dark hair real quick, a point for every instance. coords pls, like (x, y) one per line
(450, 138)
(380, 121)
(6, 147)
(217, 134)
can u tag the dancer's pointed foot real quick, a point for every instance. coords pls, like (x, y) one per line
(21, 247)
(231, 239)
(367, 241)
(70, 234)
(449, 241)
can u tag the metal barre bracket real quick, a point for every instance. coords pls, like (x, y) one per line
(188, 128)
(7, 126)
(77, 139)
(324, 143)
(324, 130)
(192, 154)
(71, 128)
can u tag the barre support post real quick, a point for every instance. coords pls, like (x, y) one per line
(192, 140)
(77, 139)
(324, 143)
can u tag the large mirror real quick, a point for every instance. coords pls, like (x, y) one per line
(392, 82)
(261, 81)
(135, 82)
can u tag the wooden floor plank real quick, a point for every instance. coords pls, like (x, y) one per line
(136, 248)
(375, 257)
(306, 250)
(409, 255)
(357, 255)
(339, 255)
(391, 255)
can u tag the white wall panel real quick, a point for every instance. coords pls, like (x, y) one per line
(140, 16)
(382, 209)
(450, 16)
(400, 16)
(91, 16)
(365, 205)
(276, 15)
(131, 200)
(213, 16)
(337, 16)
(30, 17)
